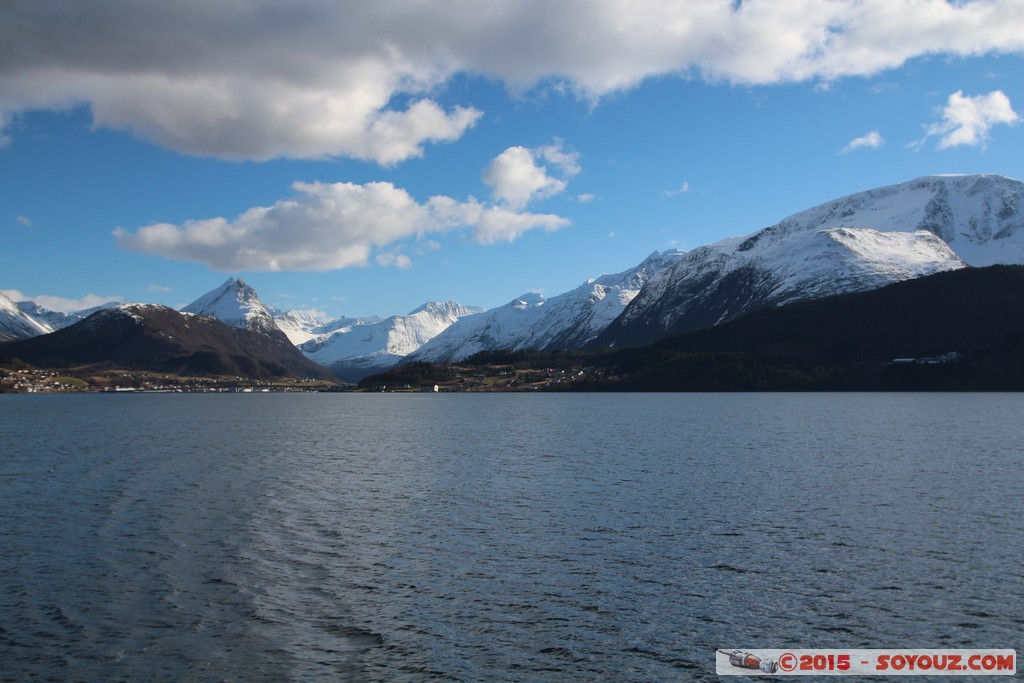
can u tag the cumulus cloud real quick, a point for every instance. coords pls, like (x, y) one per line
(967, 120)
(315, 79)
(872, 140)
(519, 175)
(566, 161)
(64, 304)
(398, 260)
(497, 224)
(326, 226)
(253, 81)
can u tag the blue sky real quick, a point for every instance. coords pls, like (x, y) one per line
(364, 159)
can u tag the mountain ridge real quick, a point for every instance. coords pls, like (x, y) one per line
(361, 348)
(954, 330)
(859, 242)
(855, 243)
(235, 303)
(15, 324)
(158, 338)
(572, 319)
(958, 330)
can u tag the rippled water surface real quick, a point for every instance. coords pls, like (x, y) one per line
(499, 537)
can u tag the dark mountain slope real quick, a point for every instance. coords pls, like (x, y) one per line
(849, 341)
(157, 338)
(975, 309)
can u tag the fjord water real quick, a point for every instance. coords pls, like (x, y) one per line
(499, 537)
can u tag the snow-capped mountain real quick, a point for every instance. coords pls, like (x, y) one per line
(154, 337)
(574, 319)
(356, 348)
(57, 320)
(351, 347)
(25, 319)
(567, 321)
(496, 328)
(237, 304)
(981, 217)
(301, 327)
(16, 324)
(856, 243)
(298, 326)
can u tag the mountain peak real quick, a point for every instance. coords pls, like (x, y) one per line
(980, 216)
(236, 303)
(450, 307)
(16, 324)
(362, 347)
(855, 243)
(528, 299)
(570, 320)
(139, 336)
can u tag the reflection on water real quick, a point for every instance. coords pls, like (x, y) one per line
(498, 537)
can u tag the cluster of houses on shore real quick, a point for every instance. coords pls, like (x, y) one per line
(31, 381)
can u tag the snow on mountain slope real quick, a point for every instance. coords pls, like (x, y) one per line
(497, 328)
(157, 338)
(237, 304)
(574, 319)
(981, 217)
(356, 348)
(298, 326)
(24, 319)
(16, 324)
(56, 320)
(855, 243)
(567, 321)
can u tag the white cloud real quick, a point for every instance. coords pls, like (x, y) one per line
(585, 198)
(497, 224)
(967, 120)
(327, 226)
(242, 119)
(565, 160)
(158, 288)
(64, 304)
(682, 189)
(519, 175)
(315, 79)
(398, 260)
(491, 224)
(873, 140)
(515, 178)
(24, 220)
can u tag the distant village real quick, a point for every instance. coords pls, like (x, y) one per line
(461, 379)
(482, 378)
(34, 381)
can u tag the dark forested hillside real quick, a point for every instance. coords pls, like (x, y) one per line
(157, 338)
